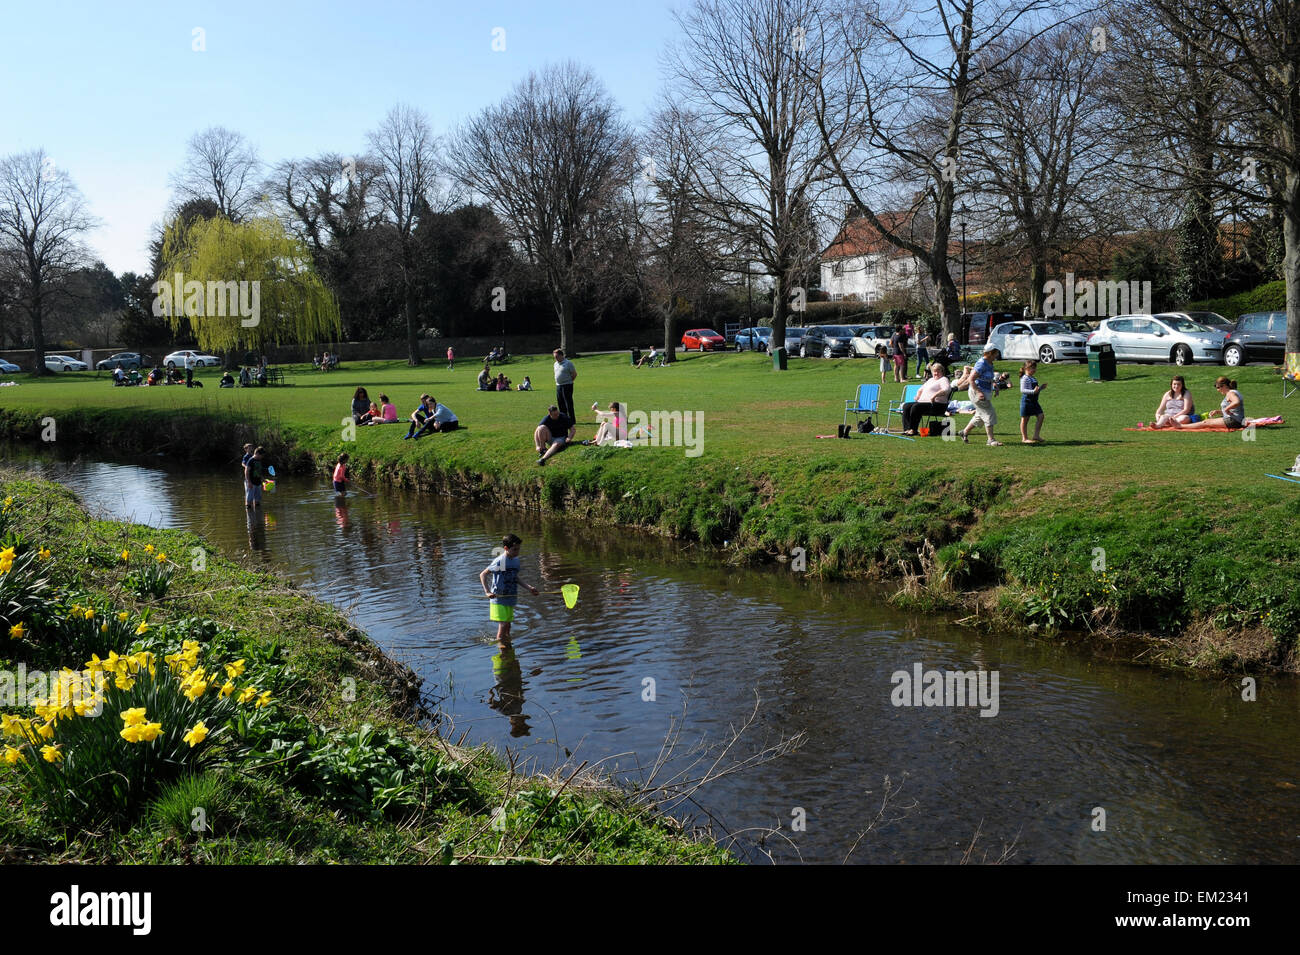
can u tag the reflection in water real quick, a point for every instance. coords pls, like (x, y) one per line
(1186, 771)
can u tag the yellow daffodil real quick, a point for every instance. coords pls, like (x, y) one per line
(8, 553)
(10, 725)
(197, 734)
(51, 753)
(227, 689)
(134, 716)
(142, 629)
(9, 502)
(43, 553)
(263, 699)
(247, 694)
(123, 682)
(161, 556)
(46, 731)
(148, 548)
(126, 555)
(88, 613)
(12, 755)
(195, 689)
(103, 627)
(235, 669)
(131, 733)
(149, 732)
(17, 631)
(122, 615)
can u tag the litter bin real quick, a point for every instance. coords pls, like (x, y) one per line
(636, 355)
(779, 356)
(1101, 362)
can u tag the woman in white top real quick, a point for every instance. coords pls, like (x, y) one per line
(1176, 406)
(932, 399)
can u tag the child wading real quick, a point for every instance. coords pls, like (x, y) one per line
(341, 475)
(1029, 407)
(504, 589)
(254, 474)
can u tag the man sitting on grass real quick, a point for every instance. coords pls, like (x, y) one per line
(553, 433)
(430, 417)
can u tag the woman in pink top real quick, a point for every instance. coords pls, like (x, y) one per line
(610, 424)
(388, 412)
(932, 399)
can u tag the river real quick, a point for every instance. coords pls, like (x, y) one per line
(1084, 761)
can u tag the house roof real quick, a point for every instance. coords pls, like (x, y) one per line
(859, 237)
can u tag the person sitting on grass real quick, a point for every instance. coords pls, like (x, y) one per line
(431, 418)
(610, 424)
(503, 383)
(1232, 409)
(1176, 407)
(155, 376)
(526, 384)
(360, 406)
(485, 382)
(553, 434)
(384, 413)
(227, 380)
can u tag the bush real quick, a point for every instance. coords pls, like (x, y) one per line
(1269, 297)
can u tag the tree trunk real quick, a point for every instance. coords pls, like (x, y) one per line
(670, 345)
(566, 323)
(1291, 258)
(778, 309)
(38, 335)
(1037, 279)
(949, 303)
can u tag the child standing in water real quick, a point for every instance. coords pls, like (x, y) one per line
(1029, 407)
(504, 588)
(341, 475)
(243, 463)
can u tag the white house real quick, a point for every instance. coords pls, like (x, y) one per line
(860, 265)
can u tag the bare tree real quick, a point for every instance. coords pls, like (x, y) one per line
(43, 217)
(895, 114)
(1043, 154)
(550, 161)
(405, 154)
(220, 165)
(747, 69)
(681, 250)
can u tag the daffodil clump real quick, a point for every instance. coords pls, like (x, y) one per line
(88, 628)
(151, 572)
(23, 586)
(109, 735)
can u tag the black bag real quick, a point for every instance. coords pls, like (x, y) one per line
(939, 425)
(866, 427)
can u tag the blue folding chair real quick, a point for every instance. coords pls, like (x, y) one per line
(896, 406)
(866, 402)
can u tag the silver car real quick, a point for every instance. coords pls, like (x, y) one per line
(1042, 341)
(1157, 338)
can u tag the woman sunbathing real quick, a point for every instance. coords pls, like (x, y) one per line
(1232, 409)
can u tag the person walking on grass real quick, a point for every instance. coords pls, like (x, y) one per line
(1029, 407)
(922, 352)
(503, 588)
(451, 358)
(980, 382)
(565, 376)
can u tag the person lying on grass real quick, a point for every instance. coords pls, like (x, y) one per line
(553, 434)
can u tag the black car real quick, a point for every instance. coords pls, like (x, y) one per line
(829, 341)
(1257, 336)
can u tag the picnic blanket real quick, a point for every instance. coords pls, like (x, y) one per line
(1215, 425)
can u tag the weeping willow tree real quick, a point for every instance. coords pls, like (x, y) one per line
(242, 285)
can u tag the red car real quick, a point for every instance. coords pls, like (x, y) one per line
(705, 339)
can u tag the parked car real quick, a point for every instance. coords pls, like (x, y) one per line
(1212, 319)
(177, 359)
(977, 326)
(1084, 328)
(867, 337)
(753, 339)
(64, 363)
(1257, 336)
(125, 360)
(829, 341)
(1169, 337)
(1044, 341)
(793, 336)
(8, 367)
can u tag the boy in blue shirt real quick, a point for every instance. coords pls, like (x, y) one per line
(504, 589)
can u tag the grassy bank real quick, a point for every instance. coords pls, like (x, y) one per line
(241, 721)
(1181, 536)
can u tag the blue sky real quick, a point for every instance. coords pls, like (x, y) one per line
(112, 91)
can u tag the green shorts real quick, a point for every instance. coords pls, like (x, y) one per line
(500, 613)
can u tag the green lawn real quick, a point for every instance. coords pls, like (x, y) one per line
(1191, 527)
